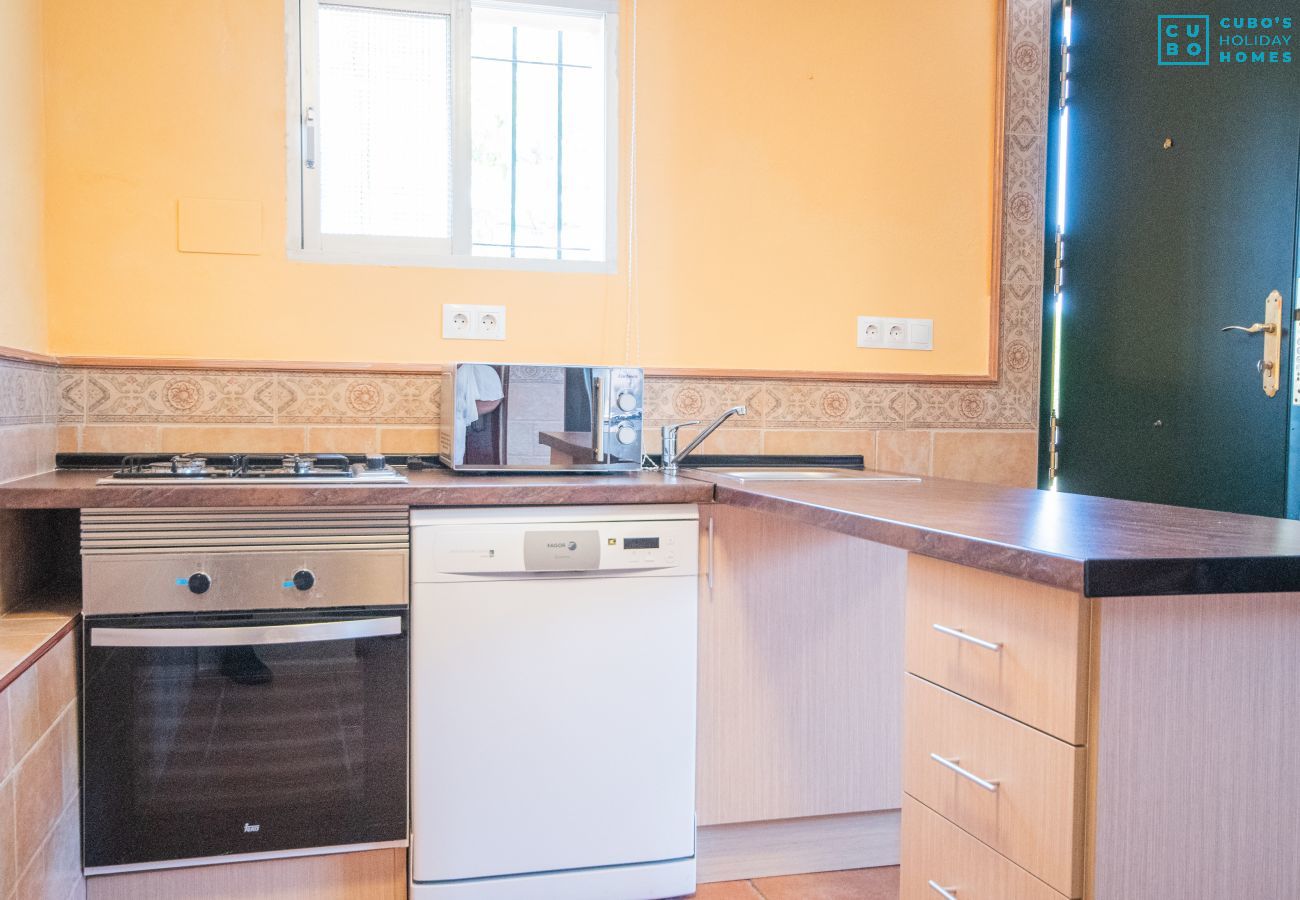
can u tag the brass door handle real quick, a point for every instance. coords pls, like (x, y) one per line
(1270, 367)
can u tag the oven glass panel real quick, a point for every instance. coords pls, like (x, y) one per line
(206, 751)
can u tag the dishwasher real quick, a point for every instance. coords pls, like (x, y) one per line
(553, 685)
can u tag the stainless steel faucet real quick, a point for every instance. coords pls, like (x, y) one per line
(671, 457)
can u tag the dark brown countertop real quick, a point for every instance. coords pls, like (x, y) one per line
(76, 489)
(1098, 546)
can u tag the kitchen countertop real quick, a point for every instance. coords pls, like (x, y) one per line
(76, 489)
(28, 632)
(1101, 547)
(1098, 546)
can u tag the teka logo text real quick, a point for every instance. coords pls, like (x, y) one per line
(1184, 41)
(252, 828)
(1196, 40)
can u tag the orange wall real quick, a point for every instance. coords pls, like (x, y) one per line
(799, 164)
(22, 276)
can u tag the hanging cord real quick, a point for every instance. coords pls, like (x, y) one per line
(632, 336)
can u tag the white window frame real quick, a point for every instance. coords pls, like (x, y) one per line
(304, 242)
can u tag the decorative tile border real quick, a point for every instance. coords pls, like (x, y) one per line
(28, 411)
(27, 393)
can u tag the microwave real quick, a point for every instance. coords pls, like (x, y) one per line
(514, 418)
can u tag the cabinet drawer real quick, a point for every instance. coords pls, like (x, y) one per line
(1030, 805)
(1023, 648)
(936, 852)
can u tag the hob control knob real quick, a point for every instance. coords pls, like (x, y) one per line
(376, 462)
(626, 401)
(304, 580)
(199, 583)
(626, 434)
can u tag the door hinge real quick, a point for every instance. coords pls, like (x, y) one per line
(1058, 265)
(1053, 447)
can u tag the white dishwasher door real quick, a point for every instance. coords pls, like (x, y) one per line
(553, 724)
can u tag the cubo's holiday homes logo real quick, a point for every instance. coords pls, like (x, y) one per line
(1184, 40)
(1197, 40)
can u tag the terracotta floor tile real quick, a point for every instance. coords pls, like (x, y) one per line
(727, 890)
(854, 884)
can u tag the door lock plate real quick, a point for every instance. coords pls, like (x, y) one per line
(1271, 366)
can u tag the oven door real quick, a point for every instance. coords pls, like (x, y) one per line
(233, 733)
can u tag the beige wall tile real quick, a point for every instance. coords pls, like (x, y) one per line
(997, 457)
(6, 753)
(343, 439)
(409, 440)
(8, 837)
(41, 694)
(903, 451)
(57, 685)
(119, 439)
(804, 443)
(55, 871)
(66, 730)
(724, 440)
(25, 720)
(231, 439)
(69, 439)
(27, 450)
(38, 784)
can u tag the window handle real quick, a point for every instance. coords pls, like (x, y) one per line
(309, 138)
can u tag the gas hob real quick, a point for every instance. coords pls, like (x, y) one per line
(322, 468)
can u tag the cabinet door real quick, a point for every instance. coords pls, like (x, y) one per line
(801, 637)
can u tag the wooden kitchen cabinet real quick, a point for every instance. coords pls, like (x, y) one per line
(1149, 753)
(801, 634)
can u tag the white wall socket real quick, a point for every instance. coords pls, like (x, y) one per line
(491, 323)
(466, 322)
(895, 334)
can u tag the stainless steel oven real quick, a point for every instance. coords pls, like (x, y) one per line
(541, 418)
(244, 684)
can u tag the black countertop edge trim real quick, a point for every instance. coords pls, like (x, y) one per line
(775, 460)
(1169, 577)
(740, 460)
(114, 460)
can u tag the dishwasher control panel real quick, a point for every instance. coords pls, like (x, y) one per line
(482, 548)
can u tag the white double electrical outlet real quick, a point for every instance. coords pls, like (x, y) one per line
(466, 322)
(895, 334)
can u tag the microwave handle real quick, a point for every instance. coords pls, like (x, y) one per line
(246, 635)
(598, 418)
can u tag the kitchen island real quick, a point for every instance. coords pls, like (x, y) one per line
(1093, 697)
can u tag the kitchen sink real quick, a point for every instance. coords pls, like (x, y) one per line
(797, 474)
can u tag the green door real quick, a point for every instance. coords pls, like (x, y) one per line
(1182, 142)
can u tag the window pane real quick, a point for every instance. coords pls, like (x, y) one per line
(491, 123)
(537, 102)
(385, 122)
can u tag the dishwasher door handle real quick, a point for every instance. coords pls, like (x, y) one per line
(246, 635)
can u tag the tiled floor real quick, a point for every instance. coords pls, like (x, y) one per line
(853, 884)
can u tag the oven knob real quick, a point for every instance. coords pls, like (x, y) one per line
(626, 434)
(199, 583)
(304, 580)
(626, 402)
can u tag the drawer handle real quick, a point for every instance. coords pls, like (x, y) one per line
(952, 764)
(946, 893)
(963, 636)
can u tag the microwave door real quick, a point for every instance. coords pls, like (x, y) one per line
(548, 415)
